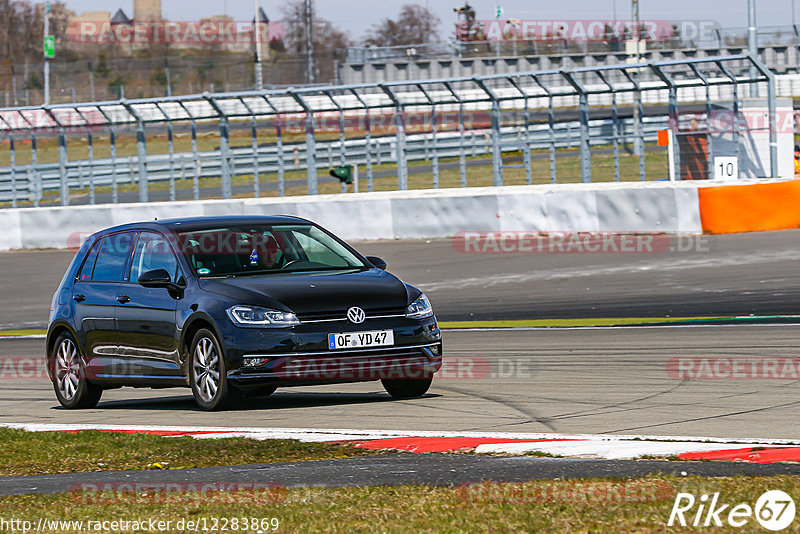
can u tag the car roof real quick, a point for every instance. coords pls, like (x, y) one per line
(191, 224)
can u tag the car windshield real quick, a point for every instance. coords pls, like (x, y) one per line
(265, 249)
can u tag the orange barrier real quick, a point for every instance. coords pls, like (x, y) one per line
(731, 209)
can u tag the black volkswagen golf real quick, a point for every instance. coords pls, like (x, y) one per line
(234, 307)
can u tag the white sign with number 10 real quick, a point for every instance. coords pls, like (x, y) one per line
(726, 168)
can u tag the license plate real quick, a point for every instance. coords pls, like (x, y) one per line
(359, 340)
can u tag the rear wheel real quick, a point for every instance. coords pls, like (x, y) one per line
(207, 375)
(73, 389)
(407, 388)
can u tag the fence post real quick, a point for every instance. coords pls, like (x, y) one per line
(224, 147)
(434, 148)
(400, 138)
(551, 126)
(62, 156)
(497, 153)
(90, 139)
(673, 122)
(62, 166)
(367, 138)
(141, 151)
(583, 112)
(311, 144)
(278, 143)
(171, 148)
(37, 194)
(735, 90)
(342, 137)
(13, 161)
(254, 139)
(196, 167)
(772, 110)
(638, 111)
(462, 156)
(13, 169)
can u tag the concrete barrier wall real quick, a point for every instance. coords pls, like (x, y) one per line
(630, 207)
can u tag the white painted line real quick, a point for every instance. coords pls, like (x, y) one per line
(609, 450)
(337, 434)
(31, 336)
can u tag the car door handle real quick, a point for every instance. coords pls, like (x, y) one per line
(79, 298)
(122, 299)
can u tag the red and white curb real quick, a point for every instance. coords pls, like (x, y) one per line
(604, 446)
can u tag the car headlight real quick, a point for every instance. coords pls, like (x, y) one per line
(420, 308)
(255, 316)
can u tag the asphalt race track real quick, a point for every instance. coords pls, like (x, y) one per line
(599, 380)
(394, 469)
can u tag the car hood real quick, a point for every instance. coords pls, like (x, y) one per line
(304, 293)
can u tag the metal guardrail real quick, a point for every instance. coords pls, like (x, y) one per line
(496, 95)
(30, 182)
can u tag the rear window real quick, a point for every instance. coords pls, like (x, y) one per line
(88, 266)
(110, 264)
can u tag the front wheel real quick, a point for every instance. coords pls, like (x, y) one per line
(407, 388)
(207, 375)
(73, 390)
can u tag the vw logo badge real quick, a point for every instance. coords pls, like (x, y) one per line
(356, 315)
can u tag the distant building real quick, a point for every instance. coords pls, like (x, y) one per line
(147, 10)
(92, 16)
(120, 18)
(101, 28)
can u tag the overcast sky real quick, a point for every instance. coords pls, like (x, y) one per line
(355, 16)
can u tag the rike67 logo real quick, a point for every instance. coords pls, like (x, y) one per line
(774, 510)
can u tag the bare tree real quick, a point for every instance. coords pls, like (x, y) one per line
(328, 43)
(415, 24)
(21, 29)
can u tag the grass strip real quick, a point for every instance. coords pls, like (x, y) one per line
(589, 505)
(42, 453)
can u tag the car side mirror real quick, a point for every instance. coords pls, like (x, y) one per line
(155, 279)
(379, 263)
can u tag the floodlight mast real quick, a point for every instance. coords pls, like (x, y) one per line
(752, 44)
(257, 37)
(46, 57)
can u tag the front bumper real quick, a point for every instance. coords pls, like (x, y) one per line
(300, 355)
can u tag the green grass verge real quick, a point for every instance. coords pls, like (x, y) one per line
(17, 333)
(566, 323)
(598, 505)
(594, 321)
(39, 453)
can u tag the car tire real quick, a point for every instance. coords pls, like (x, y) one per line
(407, 388)
(207, 373)
(74, 390)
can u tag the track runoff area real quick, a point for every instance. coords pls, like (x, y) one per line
(681, 348)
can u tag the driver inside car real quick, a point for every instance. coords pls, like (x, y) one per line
(265, 253)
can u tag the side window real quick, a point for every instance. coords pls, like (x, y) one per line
(317, 252)
(88, 266)
(153, 252)
(110, 264)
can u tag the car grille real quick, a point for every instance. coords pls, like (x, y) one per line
(341, 315)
